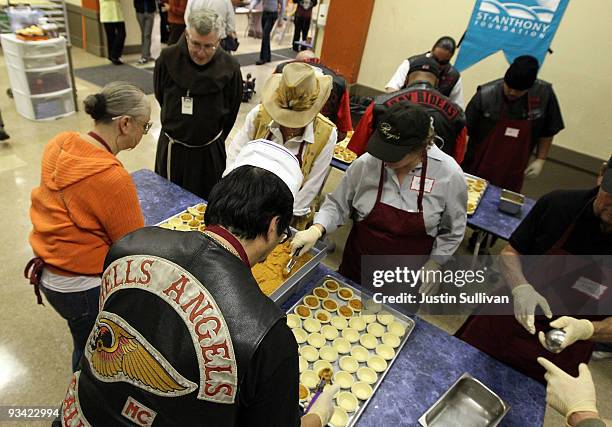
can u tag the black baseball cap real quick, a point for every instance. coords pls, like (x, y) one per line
(399, 131)
(424, 63)
(522, 73)
(606, 182)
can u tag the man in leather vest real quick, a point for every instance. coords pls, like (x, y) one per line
(338, 105)
(449, 119)
(449, 83)
(185, 336)
(507, 120)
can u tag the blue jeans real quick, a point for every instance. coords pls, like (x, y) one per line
(80, 310)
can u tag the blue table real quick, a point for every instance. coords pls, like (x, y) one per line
(428, 364)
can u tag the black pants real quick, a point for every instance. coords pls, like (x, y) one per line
(164, 31)
(301, 26)
(176, 31)
(267, 22)
(115, 39)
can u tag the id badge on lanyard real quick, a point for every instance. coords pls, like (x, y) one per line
(187, 104)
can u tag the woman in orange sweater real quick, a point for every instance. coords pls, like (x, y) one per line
(85, 202)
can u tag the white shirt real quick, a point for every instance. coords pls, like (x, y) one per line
(223, 8)
(65, 284)
(313, 183)
(444, 206)
(399, 78)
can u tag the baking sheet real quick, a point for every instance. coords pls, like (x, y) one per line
(404, 320)
(299, 277)
(481, 193)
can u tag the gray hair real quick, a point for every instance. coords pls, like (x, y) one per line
(117, 99)
(204, 21)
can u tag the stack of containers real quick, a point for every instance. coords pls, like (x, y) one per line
(40, 77)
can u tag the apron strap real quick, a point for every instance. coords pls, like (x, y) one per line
(231, 239)
(380, 182)
(100, 140)
(33, 271)
(570, 229)
(422, 183)
(300, 153)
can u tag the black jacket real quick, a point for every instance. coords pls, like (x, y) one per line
(145, 6)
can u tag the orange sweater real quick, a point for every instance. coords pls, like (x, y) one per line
(100, 205)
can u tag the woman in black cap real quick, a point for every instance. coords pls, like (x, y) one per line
(507, 119)
(405, 195)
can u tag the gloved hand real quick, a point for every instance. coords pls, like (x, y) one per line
(575, 330)
(303, 241)
(535, 168)
(429, 285)
(567, 394)
(324, 406)
(526, 299)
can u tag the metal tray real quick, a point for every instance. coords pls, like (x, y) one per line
(471, 212)
(299, 278)
(468, 402)
(406, 321)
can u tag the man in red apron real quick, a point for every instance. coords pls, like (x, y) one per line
(507, 119)
(573, 228)
(406, 197)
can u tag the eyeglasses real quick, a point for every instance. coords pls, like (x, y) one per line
(206, 47)
(146, 127)
(287, 234)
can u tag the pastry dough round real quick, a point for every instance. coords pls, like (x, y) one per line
(300, 335)
(293, 321)
(341, 345)
(351, 335)
(367, 375)
(343, 379)
(357, 323)
(316, 340)
(360, 353)
(349, 364)
(329, 332)
(312, 325)
(391, 339)
(385, 351)
(362, 390)
(322, 316)
(369, 341)
(309, 353)
(339, 417)
(377, 363)
(339, 322)
(385, 317)
(397, 328)
(309, 378)
(328, 353)
(347, 401)
(376, 329)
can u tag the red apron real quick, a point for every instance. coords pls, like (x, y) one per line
(505, 339)
(387, 230)
(502, 156)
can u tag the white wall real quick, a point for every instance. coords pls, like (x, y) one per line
(580, 68)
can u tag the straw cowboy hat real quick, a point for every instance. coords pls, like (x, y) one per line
(294, 97)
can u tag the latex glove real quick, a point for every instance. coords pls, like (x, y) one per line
(567, 394)
(429, 285)
(526, 299)
(575, 330)
(535, 168)
(324, 405)
(303, 241)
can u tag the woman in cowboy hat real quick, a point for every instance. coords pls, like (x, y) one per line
(289, 115)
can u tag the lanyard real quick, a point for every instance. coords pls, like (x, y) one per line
(100, 140)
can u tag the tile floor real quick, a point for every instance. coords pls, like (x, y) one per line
(35, 344)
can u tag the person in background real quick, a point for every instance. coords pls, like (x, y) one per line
(338, 105)
(268, 19)
(85, 202)
(111, 16)
(509, 118)
(301, 22)
(573, 397)
(209, 350)
(227, 17)
(176, 19)
(421, 81)
(449, 83)
(3, 135)
(554, 261)
(145, 13)
(289, 115)
(164, 31)
(406, 197)
(199, 89)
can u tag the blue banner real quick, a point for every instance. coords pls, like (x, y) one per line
(517, 27)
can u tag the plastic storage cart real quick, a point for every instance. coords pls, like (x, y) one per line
(39, 73)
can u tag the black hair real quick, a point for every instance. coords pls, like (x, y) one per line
(95, 106)
(446, 43)
(246, 201)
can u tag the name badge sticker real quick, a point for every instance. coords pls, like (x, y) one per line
(512, 132)
(590, 288)
(416, 184)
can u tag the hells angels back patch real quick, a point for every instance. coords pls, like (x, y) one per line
(118, 352)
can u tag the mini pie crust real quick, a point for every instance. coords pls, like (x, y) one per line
(397, 328)
(385, 351)
(345, 294)
(338, 322)
(376, 329)
(320, 293)
(341, 345)
(344, 379)
(377, 363)
(329, 304)
(309, 379)
(339, 417)
(309, 353)
(357, 323)
(369, 341)
(367, 375)
(329, 332)
(303, 364)
(316, 340)
(322, 316)
(349, 364)
(355, 304)
(328, 353)
(302, 311)
(312, 325)
(293, 321)
(368, 318)
(385, 318)
(300, 335)
(351, 335)
(361, 354)
(362, 390)
(331, 285)
(391, 339)
(312, 302)
(347, 401)
(319, 365)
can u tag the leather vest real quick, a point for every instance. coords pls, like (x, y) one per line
(449, 118)
(180, 319)
(492, 100)
(449, 77)
(331, 107)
